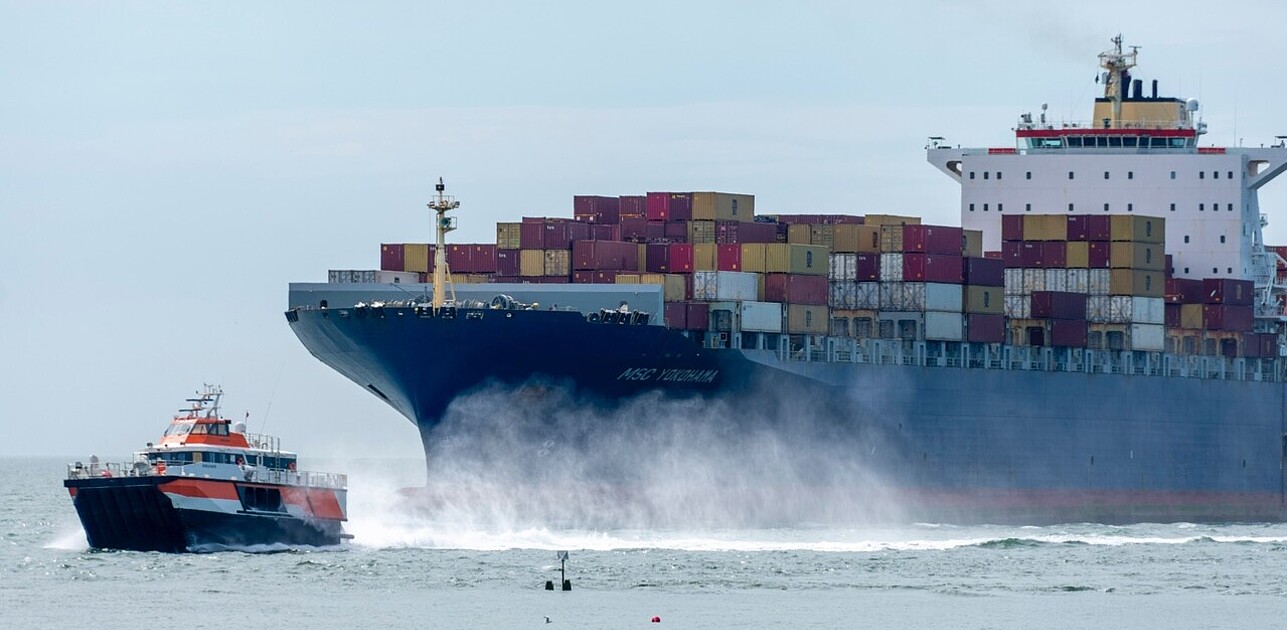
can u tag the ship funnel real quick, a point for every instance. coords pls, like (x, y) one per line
(1137, 88)
(1154, 88)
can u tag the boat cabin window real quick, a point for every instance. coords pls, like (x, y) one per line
(178, 429)
(175, 459)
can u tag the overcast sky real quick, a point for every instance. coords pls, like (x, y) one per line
(166, 169)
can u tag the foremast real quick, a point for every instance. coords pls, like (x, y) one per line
(441, 204)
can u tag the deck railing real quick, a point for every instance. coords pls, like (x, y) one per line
(250, 474)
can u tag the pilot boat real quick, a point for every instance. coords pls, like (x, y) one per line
(207, 485)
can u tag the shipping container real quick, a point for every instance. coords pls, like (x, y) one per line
(1100, 281)
(1148, 337)
(507, 262)
(1227, 291)
(558, 262)
(657, 258)
(675, 231)
(1228, 317)
(1045, 227)
(736, 232)
(725, 286)
(416, 257)
(1138, 229)
(1056, 279)
(932, 239)
(787, 258)
(891, 267)
(800, 233)
(751, 316)
(728, 257)
(509, 235)
(1098, 254)
(392, 257)
(1030, 254)
(701, 232)
(374, 276)
(698, 316)
(1058, 305)
(890, 219)
(1077, 254)
(1035, 280)
(633, 206)
(1012, 228)
(1126, 309)
(605, 256)
(920, 297)
(595, 209)
(681, 258)
(716, 206)
(985, 328)
(595, 277)
(854, 295)
(1128, 255)
(605, 232)
(795, 288)
(985, 300)
(942, 326)
(1067, 333)
(1099, 309)
(891, 238)
(675, 287)
(807, 319)
(1099, 228)
(1136, 282)
(531, 262)
(972, 243)
(1012, 253)
(1185, 291)
(1191, 316)
(843, 266)
(1078, 227)
(705, 257)
(1054, 255)
(1018, 306)
(932, 268)
(823, 234)
(856, 238)
(1077, 280)
(1172, 312)
(676, 314)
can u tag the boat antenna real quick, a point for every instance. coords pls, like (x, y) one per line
(1117, 76)
(441, 275)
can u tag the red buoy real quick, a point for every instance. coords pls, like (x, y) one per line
(656, 619)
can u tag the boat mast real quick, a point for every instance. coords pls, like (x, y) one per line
(441, 276)
(1117, 77)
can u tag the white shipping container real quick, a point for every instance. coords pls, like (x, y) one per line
(1098, 282)
(753, 316)
(732, 286)
(1056, 280)
(1150, 337)
(1034, 280)
(1098, 309)
(901, 325)
(868, 295)
(842, 294)
(1014, 282)
(1148, 310)
(1018, 306)
(348, 276)
(933, 296)
(1078, 280)
(941, 326)
(844, 266)
(891, 267)
(892, 296)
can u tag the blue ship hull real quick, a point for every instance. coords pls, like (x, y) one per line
(957, 443)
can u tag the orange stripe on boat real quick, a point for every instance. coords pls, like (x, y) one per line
(318, 502)
(201, 488)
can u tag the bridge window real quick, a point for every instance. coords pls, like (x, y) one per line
(1070, 174)
(1105, 207)
(985, 207)
(1027, 207)
(1230, 174)
(1129, 141)
(1130, 207)
(1027, 175)
(1221, 238)
(971, 207)
(1070, 207)
(1202, 207)
(1215, 174)
(1105, 174)
(999, 206)
(1186, 239)
(998, 174)
(1230, 208)
(1202, 174)
(971, 174)
(1172, 207)
(985, 174)
(1130, 174)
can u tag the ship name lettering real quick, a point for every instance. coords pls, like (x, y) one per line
(637, 374)
(688, 376)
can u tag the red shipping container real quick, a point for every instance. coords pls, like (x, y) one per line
(698, 316)
(633, 206)
(508, 279)
(994, 256)
(728, 257)
(985, 328)
(984, 272)
(676, 315)
(1058, 305)
(681, 206)
(867, 267)
(605, 256)
(1054, 255)
(658, 206)
(932, 239)
(482, 258)
(1237, 318)
(1098, 253)
(1184, 291)
(1098, 227)
(663, 206)
(657, 258)
(1079, 227)
(507, 262)
(932, 268)
(531, 235)
(1012, 228)
(458, 258)
(596, 209)
(1068, 333)
(730, 232)
(594, 277)
(1227, 291)
(571, 231)
(605, 232)
(676, 230)
(634, 229)
(791, 288)
(392, 257)
(681, 258)
(1172, 312)
(1029, 255)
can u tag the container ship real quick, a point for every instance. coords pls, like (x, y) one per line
(1101, 339)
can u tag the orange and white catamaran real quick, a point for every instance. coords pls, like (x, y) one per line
(207, 484)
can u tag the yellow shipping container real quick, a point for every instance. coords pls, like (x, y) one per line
(972, 243)
(415, 257)
(853, 238)
(1129, 255)
(705, 257)
(854, 323)
(800, 233)
(1140, 229)
(988, 300)
(788, 258)
(753, 257)
(891, 239)
(628, 278)
(508, 235)
(558, 262)
(1136, 282)
(701, 232)
(807, 319)
(643, 258)
(531, 262)
(1045, 227)
(1077, 255)
(824, 235)
(878, 220)
(1191, 316)
(470, 278)
(674, 287)
(717, 206)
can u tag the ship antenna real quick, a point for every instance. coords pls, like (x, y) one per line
(441, 275)
(1117, 65)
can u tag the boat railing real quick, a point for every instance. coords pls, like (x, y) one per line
(262, 442)
(251, 474)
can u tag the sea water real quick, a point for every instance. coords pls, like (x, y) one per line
(405, 570)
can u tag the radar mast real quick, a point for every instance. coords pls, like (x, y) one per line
(441, 275)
